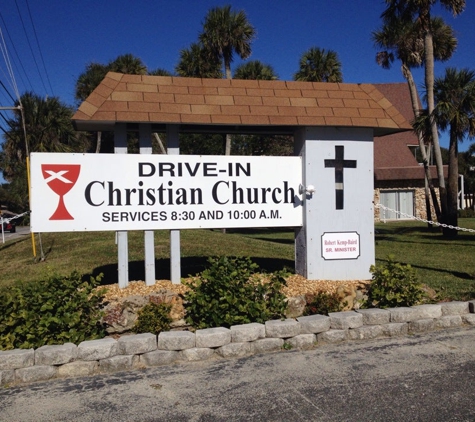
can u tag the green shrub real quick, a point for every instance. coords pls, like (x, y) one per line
(393, 285)
(466, 213)
(322, 303)
(53, 311)
(229, 293)
(153, 318)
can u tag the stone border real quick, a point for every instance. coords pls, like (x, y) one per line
(147, 350)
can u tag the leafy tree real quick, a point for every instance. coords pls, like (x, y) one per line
(198, 62)
(405, 41)
(48, 126)
(255, 70)
(318, 65)
(455, 110)
(420, 11)
(278, 145)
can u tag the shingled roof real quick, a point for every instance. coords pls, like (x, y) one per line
(236, 105)
(393, 160)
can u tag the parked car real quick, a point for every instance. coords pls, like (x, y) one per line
(8, 226)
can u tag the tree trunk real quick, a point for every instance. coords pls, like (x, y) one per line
(425, 155)
(98, 142)
(452, 187)
(429, 82)
(160, 143)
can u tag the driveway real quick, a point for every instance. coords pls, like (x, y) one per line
(418, 378)
(21, 231)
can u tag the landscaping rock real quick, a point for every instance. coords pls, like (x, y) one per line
(247, 332)
(176, 340)
(121, 313)
(302, 341)
(455, 308)
(213, 337)
(395, 329)
(449, 321)
(375, 316)
(345, 320)
(313, 324)
(282, 329)
(295, 306)
(97, 349)
(266, 345)
(234, 350)
(56, 354)
(332, 336)
(7, 377)
(347, 296)
(421, 325)
(17, 358)
(469, 319)
(118, 363)
(78, 369)
(137, 344)
(403, 314)
(35, 373)
(366, 332)
(159, 357)
(196, 354)
(427, 311)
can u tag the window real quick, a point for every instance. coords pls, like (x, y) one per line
(398, 200)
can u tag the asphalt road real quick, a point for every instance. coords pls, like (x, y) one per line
(21, 231)
(417, 378)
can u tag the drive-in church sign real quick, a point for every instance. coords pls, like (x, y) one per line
(100, 192)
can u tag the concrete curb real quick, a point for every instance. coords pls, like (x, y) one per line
(147, 350)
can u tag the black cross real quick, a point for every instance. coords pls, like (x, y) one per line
(339, 164)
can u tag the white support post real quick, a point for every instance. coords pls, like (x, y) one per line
(173, 147)
(120, 147)
(336, 241)
(145, 142)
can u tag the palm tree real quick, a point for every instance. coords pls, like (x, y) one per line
(318, 65)
(256, 70)
(455, 110)
(128, 64)
(160, 72)
(89, 80)
(49, 128)
(405, 41)
(226, 32)
(198, 62)
(96, 72)
(420, 11)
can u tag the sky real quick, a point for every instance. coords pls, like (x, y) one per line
(49, 43)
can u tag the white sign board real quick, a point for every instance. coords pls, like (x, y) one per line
(100, 192)
(344, 245)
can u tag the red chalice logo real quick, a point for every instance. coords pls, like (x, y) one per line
(61, 178)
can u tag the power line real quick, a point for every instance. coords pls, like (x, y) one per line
(31, 49)
(3, 48)
(6, 90)
(39, 48)
(17, 56)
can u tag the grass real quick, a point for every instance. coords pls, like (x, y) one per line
(448, 266)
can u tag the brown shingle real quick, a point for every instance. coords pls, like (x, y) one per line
(163, 99)
(142, 87)
(219, 99)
